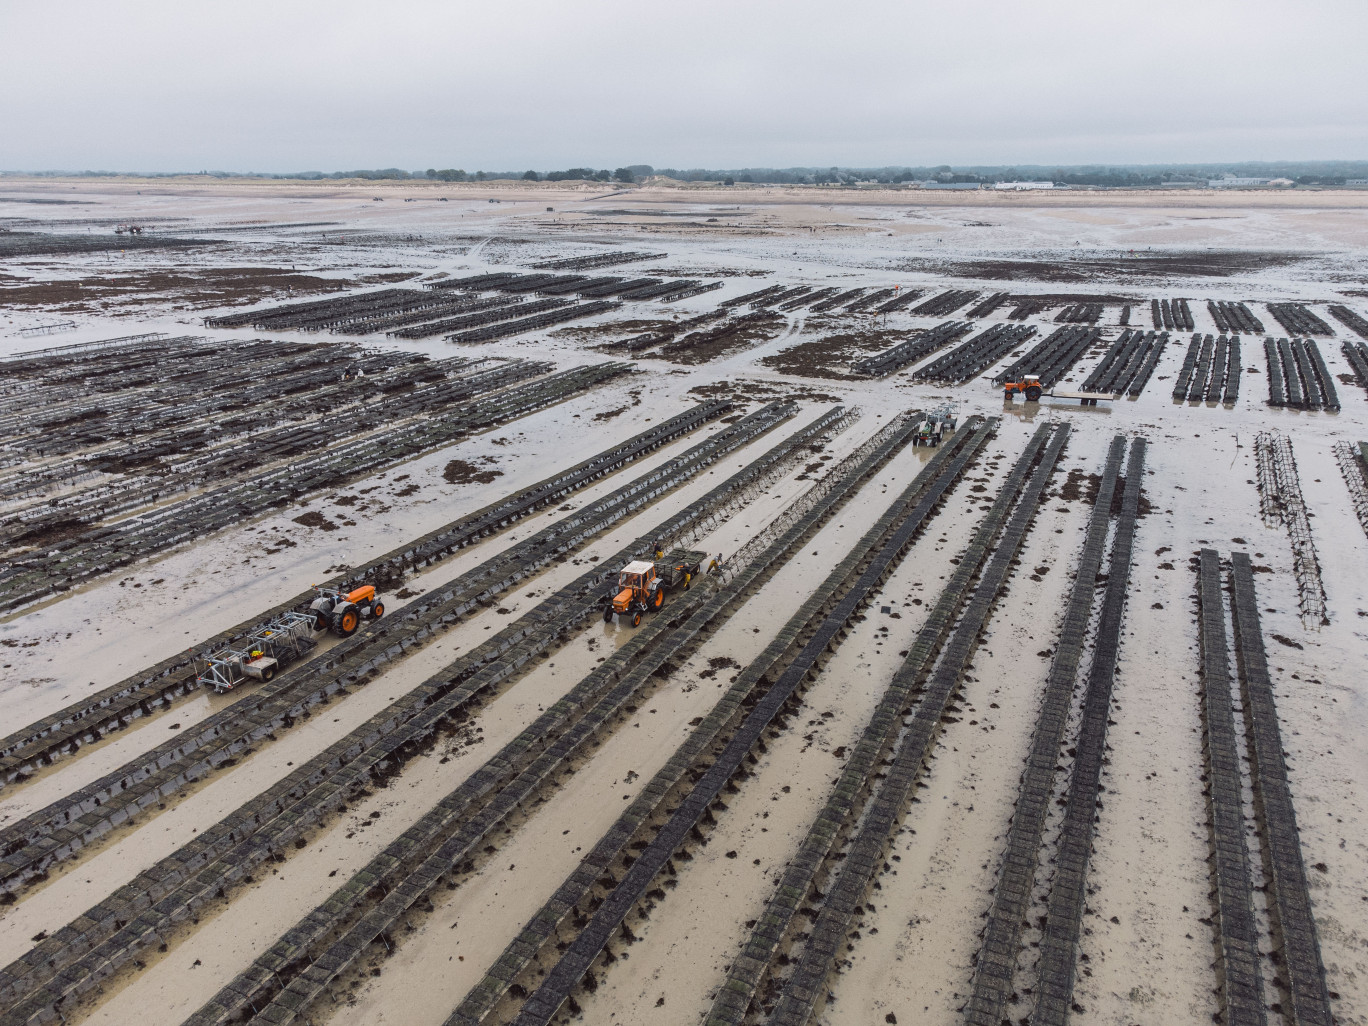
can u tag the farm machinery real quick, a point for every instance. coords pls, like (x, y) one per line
(1029, 386)
(288, 637)
(642, 585)
(342, 612)
(935, 426)
(270, 648)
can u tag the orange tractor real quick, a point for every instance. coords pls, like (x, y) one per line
(1029, 386)
(343, 611)
(642, 585)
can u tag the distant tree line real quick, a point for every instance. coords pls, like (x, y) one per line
(1326, 172)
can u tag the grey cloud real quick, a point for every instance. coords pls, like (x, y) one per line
(280, 87)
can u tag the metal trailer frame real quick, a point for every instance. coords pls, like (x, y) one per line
(284, 638)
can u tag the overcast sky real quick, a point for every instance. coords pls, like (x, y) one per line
(275, 85)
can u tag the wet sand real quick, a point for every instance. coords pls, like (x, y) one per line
(1148, 947)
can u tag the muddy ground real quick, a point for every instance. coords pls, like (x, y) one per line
(831, 355)
(1148, 941)
(205, 289)
(1118, 268)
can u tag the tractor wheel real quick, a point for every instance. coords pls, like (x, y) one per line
(608, 615)
(345, 620)
(322, 620)
(636, 618)
(377, 609)
(658, 599)
(1033, 394)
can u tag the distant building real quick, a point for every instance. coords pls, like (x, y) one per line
(1023, 186)
(1356, 181)
(1230, 181)
(933, 184)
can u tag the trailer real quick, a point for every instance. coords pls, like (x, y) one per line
(1085, 398)
(1030, 387)
(936, 425)
(272, 647)
(643, 584)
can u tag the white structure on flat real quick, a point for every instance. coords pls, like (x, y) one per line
(1022, 186)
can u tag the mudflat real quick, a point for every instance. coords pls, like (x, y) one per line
(484, 398)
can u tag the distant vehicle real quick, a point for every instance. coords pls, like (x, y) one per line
(129, 229)
(936, 425)
(1029, 386)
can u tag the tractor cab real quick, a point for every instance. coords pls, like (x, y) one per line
(642, 585)
(635, 583)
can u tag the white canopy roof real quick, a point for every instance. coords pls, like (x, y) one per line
(638, 566)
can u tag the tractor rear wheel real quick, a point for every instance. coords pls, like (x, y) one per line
(322, 620)
(658, 599)
(345, 620)
(1033, 394)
